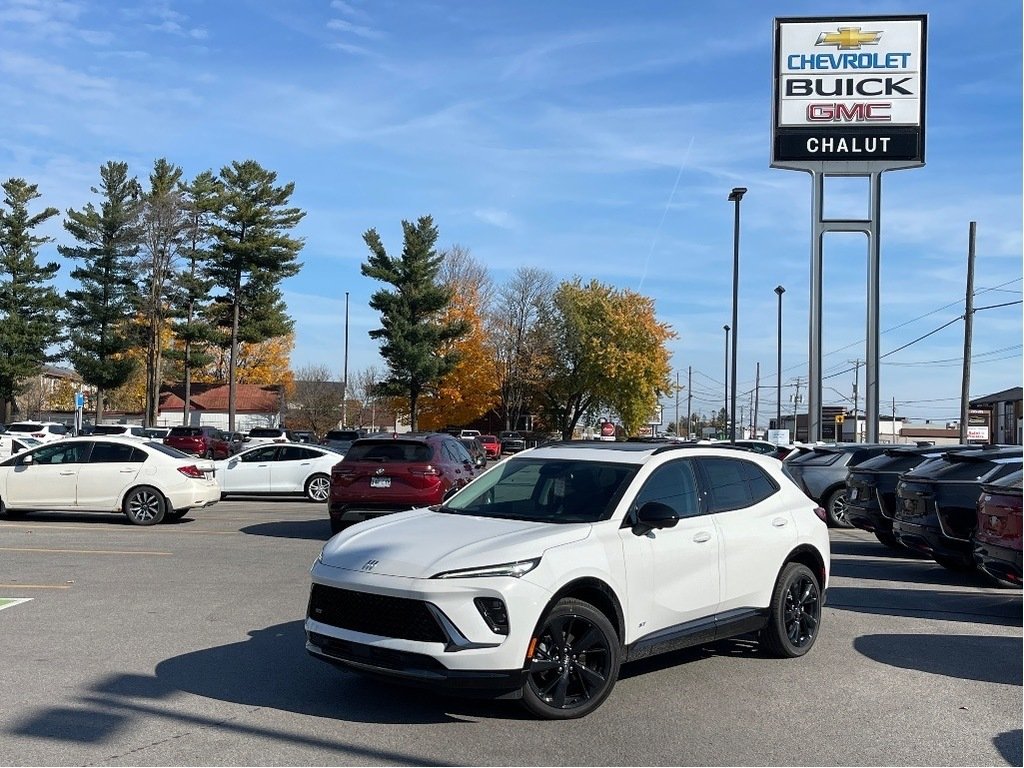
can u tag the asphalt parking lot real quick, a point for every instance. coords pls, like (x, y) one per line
(182, 644)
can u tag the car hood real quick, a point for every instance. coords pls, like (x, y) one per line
(421, 543)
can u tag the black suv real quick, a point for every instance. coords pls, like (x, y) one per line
(821, 474)
(937, 510)
(341, 439)
(871, 487)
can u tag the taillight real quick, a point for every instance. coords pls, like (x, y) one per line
(822, 515)
(427, 471)
(192, 471)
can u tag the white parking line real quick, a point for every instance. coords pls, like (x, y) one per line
(85, 551)
(7, 602)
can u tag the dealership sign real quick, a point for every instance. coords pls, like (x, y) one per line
(849, 89)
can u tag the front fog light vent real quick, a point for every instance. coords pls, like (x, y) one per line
(494, 613)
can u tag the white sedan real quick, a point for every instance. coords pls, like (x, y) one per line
(279, 468)
(148, 482)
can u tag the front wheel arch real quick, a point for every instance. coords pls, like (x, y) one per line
(595, 592)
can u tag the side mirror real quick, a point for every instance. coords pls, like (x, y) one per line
(653, 515)
(27, 459)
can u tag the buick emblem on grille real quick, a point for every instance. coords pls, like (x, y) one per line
(369, 565)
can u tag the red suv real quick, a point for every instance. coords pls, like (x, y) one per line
(998, 538)
(200, 441)
(388, 474)
(492, 446)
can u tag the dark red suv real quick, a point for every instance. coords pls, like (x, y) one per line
(199, 441)
(380, 475)
(998, 538)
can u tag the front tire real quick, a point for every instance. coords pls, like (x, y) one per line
(835, 506)
(794, 614)
(575, 662)
(144, 506)
(318, 488)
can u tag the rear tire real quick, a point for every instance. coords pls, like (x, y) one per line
(575, 662)
(794, 615)
(835, 507)
(144, 506)
(318, 488)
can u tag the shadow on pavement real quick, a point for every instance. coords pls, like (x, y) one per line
(269, 670)
(871, 548)
(897, 569)
(988, 659)
(315, 530)
(1010, 746)
(975, 607)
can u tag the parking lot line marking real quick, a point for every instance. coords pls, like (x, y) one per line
(164, 531)
(34, 586)
(7, 602)
(85, 551)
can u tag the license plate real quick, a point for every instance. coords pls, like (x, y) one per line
(380, 482)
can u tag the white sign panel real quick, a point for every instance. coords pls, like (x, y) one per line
(849, 89)
(778, 436)
(977, 433)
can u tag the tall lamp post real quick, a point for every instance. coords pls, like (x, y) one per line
(725, 410)
(344, 379)
(779, 290)
(734, 197)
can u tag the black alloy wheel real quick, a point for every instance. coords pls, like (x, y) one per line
(144, 506)
(575, 662)
(794, 614)
(835, 507)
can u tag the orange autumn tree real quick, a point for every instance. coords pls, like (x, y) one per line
(471, 389)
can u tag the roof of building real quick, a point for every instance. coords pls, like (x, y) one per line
(928, 432)
(249, 398)
(1007, 395)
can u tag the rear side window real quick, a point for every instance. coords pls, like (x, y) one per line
(964, 470)
(295, 453)
(818, 459)
(115, 453)
(734, 483)
(391, 450)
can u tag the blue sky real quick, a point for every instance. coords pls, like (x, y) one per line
(596, 139)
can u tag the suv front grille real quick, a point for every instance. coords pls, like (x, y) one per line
(373, 614)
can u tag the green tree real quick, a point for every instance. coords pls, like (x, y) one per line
(606, 348)
(251, 254)
(101, 312)
(164, 227)
(415, 340)
(191, 329)
(29, 307)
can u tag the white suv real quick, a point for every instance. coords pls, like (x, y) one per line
(40, 430)
(544, 574)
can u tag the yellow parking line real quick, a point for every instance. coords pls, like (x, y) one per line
(85, 551)
(35, 586)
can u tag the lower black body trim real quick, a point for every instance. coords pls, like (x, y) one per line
(739, 621)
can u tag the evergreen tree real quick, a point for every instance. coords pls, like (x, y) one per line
(413, 337)
(101, 311)
(29, 308)
(251, 254)
(189, 325)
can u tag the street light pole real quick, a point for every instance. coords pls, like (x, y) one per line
(734, 197)
(725, 410)
(344, 381)
(779, 290)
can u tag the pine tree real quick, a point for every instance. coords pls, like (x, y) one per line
(101, 311)
(29, 308)
(413, 337)
(251, 254)
(189, 325)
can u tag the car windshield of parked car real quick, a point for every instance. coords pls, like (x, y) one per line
(545, 490)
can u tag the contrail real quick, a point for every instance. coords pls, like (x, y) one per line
(657, 232)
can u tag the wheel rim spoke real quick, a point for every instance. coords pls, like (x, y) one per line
(590, 639)
(591, 678)
(561, 685)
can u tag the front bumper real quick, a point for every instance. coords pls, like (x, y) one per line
(460, 652)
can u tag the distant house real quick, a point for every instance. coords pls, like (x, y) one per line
(256, 405)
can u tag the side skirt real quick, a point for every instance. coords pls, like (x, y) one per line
(739, 621)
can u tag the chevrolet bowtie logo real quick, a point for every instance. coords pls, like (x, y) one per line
(848, 38)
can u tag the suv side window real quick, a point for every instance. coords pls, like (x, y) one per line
(674, 484)
(457, 452)
(734, 483)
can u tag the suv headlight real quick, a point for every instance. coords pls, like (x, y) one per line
(515, 570)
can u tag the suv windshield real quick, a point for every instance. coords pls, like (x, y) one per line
(265, 432)
(546, 490)
(185, 432)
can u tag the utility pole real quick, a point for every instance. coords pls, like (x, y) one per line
(893, 421)
(344, 381)
(677, 404)
(856, 382)
(965, 386)
(796, 401)
(689, 400)
(757, 400)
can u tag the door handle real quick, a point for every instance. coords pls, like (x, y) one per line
(701, 536)
(65, 474)
(779, 522)
(126, 471)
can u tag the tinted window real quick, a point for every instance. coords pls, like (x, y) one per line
(167, 450)
(66, 453)
(185, 432)
(260, 454)
(673, 484)
(261, 432)
(341, 434)
(458, 451)
(295, 453)
(109, 453)
(58, 429)
(391, 450)
(108, 429)
(25, 428)
(735, 483)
